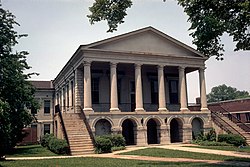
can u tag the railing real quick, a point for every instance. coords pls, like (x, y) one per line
(130, 107)
(87, 125)
(216, 116)
(236, 120)
(57, 110)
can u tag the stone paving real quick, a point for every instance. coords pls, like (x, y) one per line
(160, 159)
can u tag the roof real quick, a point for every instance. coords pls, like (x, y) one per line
(231, 105)
(42, 84)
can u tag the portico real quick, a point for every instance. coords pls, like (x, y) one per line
(135, 85)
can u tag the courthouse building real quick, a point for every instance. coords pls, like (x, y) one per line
(135, 85)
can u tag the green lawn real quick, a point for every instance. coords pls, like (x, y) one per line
(226, 148)
(31, 151)
(98, 162)
(160, 152)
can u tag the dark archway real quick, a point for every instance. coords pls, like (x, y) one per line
(152, 132)
(102, 127)
(176, 130)
(197, 127)
(128, 133)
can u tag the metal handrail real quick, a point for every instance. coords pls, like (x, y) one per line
(57, 110)
(224, 127)
(242, 123)
(87, 125)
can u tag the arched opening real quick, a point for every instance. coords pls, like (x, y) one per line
(152, 132)
(176, 130)
(102, 127)
(128, 128)
(197, 127)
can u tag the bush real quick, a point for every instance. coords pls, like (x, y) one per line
(58, 146)
(103, 145)
(212, 143)
(45, 139)
(234, 139)
(210, 136)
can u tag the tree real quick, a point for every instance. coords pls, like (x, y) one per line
(209, 19)
(16, 93)
(223, 92)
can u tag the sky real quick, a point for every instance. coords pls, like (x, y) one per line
(56, 28)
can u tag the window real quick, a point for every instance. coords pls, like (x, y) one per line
(64, 100)
(72, 93)
(33, 110)
(46, 106)
(95, 90)
(154, 92)
(248, 117)
(46, 129)
(238, 116)
(173, 91)
(67, 87)
(229, 116)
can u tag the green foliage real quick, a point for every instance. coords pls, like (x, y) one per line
(223, 92)
(212, 143)
(209, 19)
(113, 11)
(45, 139)
(58, 146)
(234, 139)
(109, 143)
(16, 93)
(103, 145)
(210, 136)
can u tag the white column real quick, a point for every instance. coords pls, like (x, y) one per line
(87, 87)
(182, 87)
(138, 89)
(161, 87)
(113, 88)
(203, 90)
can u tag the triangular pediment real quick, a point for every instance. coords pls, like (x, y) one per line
(148, 41)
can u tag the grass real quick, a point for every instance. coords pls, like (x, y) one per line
(30, 151)
(160, 152)
(225, 148)
(99, 162)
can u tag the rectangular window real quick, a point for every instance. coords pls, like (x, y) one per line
(46, 129)
(72, 93)
(95, 90)
(67, 95)
(154, 92)
(238, 116)
(173, 91)
(33, 110)
(64, 100)
(46, 106)
(248, 117)
(229, 116)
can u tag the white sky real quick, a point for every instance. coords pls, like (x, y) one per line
(56, 28)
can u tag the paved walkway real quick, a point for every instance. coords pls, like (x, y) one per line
(160, 159)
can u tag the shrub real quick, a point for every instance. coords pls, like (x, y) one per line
(234, 139)
(213, 143)
(210, 136)
(118, 141)
(103, 145)
(45, 139)
(109, 143)
(118, 148)
(58, 146)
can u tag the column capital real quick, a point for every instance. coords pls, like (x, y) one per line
(86, 63)
(160, 66)
(202, 68)
(113, 64)
(138, 65)
(181, 68)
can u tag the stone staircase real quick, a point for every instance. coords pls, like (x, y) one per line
(229, 126)
(78, 136)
